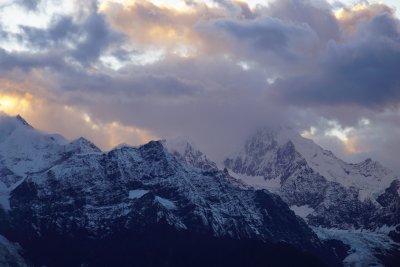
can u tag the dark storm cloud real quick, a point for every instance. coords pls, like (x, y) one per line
(27, 61)
(62, 29)
(97, 38)
(130, 86)
(317, 15)
(328, 68)
(266, 35)
(362, 71)
(90, 37)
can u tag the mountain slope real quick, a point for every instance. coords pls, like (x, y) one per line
(332, 192)
(25, 150)
(96, 189)
(81, 201)
(334, 197)
(10, 254)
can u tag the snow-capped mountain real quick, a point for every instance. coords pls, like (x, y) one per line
(321, 188)
(76, 201)
(185, 150)
(25, 150)
(338, 194)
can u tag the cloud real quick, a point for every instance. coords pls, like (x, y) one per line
(351, 18)
(29, 4)
(60, 30)
(129, 71)
(266, 40)
(55, 118)
(360, 71)
(317, 14)
(82, 39)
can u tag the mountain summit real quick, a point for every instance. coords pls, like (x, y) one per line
(70, 204)
(25, 150)
(339, 194)
(333, 196)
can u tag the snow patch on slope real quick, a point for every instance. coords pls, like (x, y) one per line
(137, 193)
(302, 211)
(168, 204)
(363, 244)
(370, 177)
(257, 182)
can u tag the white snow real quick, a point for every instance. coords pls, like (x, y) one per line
(180, 144)
(257, 182)
(137, 193)
(302, 211)
(166, 203)
(25, 149)
(369, 177)
(362, 244)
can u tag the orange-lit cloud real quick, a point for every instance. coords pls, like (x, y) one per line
(350, 18)
(152, 24)
(111, 134)
(70, 121)
(13, 104)
(353, 146)
(110, 70)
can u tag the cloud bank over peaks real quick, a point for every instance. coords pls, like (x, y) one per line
(212, 70)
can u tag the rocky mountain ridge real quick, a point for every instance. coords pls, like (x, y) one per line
(347, 202)
(79, 194)
(338, 194)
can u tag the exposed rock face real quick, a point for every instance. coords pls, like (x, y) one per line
(358, 204)
(339, 194)
(77, 200)
(128, 187)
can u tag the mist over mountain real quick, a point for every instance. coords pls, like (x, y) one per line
(199, 133)
(64, 202)
(282, 199)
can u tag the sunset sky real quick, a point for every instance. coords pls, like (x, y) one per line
(125, 71)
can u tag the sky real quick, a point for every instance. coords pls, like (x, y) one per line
(127, 71)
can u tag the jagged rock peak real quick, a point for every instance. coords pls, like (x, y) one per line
(185, 150)
(82, 145)
(22, 120)
(9, 124)
(308, 176)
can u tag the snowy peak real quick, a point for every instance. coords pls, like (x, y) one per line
(336, 193)
(81, 146)
(268, 153)
(9, 124)
(148, 184)
(185, 150)
(22, 121)
(271, 151)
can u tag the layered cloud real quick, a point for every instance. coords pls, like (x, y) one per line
(130, 71)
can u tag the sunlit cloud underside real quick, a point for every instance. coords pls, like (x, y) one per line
(132, 71)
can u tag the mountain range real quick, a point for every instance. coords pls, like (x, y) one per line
(280, 201)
